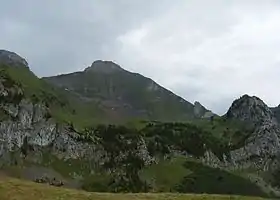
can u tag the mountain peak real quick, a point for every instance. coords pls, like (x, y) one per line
(11, 58)
(199, 109)
(250, 108)
(124, 95)
(104, 67)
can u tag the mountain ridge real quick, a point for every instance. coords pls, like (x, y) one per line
(38, 123)
(119, 89)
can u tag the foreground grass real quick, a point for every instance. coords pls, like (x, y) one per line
(13, 189)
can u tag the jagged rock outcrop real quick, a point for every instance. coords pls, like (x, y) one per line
(262, 148)
(42, 132)
(250, 109)
(27, 124)
(30, 125)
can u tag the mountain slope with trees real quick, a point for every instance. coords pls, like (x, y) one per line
(61, 128)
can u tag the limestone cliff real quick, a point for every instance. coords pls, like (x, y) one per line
(31, 121)
(262, 148)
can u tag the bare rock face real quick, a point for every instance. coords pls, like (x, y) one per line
(262, 148)
(250, 109)
(25, 126)
(12, 59)
(276, 111)
(30, 126)
(29, 130)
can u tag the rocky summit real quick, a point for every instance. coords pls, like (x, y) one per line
(106, 129)
(11, 58)
(251, 109)
(262, 147)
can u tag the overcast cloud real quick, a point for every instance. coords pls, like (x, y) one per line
(210, 51)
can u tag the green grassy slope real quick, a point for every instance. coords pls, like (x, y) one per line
(166, 174)
(13, 189)
(190, 176)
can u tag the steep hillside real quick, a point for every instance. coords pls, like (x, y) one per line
(51, 135)
(16, 75)
(125, 95)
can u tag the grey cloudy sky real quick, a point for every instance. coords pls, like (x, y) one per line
(210, 51)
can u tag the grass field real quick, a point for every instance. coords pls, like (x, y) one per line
(160, 173)
(13, 189)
